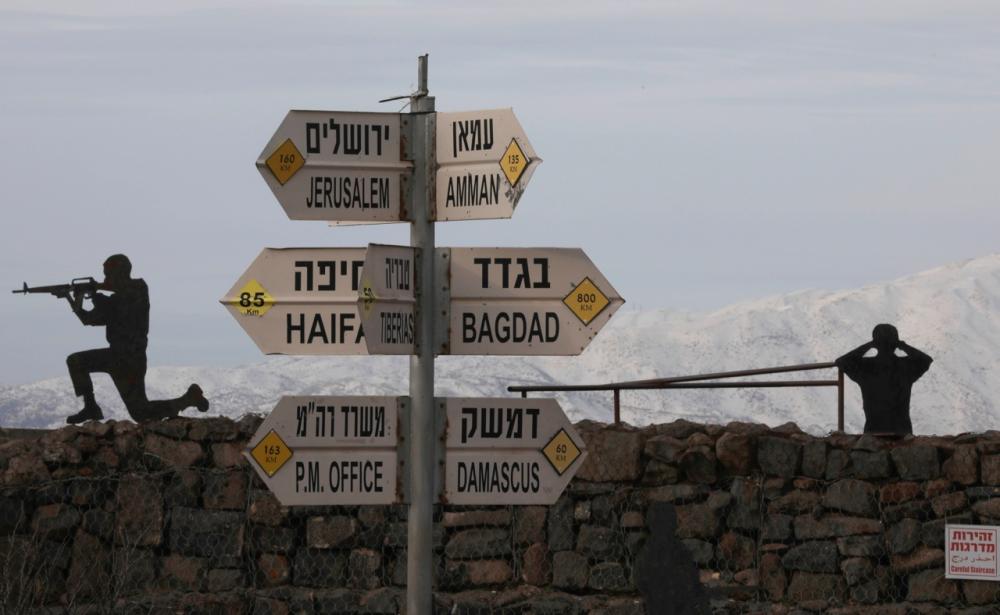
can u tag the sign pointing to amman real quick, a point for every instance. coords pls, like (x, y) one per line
(337, 165)
(485, 162)
(330, 450)
(508, 451)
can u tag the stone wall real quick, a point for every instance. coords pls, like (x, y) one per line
(167, 517)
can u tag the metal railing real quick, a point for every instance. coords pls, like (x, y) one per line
(698, 382)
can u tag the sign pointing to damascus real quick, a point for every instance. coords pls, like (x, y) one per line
(330, 450)
(337, 166)
(485, 162)
(508, 451)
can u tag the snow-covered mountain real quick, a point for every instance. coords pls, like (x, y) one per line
(952, 313)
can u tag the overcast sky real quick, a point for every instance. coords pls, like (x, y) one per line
(701, 153)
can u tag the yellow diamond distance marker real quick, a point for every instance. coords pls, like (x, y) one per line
(368, 296)
(253, 300)
(586, 301)
(271, 453)
(513, 162)
(285, 161)
(561, 451)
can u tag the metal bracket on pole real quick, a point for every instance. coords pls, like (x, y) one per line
(441, 429)
(403, 450)
(442, 312)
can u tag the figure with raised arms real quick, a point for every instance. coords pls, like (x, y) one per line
(885, 380)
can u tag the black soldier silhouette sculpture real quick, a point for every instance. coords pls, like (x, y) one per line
(125, 315)
(885, 380)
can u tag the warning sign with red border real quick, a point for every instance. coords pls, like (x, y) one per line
(971, 552)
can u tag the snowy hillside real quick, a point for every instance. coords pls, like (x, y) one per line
(952, 313)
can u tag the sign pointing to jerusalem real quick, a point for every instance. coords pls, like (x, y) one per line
(386, 299)
(337, 166)
(330, 450)
(484, 164)
(508, 451)
(301, 301)
(526, 301)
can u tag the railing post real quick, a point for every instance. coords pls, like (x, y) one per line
(840, 399)
(618, 409)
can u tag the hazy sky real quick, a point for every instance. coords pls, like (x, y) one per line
(701, 153)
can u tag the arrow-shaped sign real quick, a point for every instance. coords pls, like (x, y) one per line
(301, 301)
(526, 301)
(337, 165)
(330, 450)
(386, 299)
(484, 164)
(508, 451)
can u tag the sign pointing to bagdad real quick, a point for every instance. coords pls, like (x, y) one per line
(337, 166)
(484, 164)
(526, 301)
(301, 301)
(508, 451)
(330, 450)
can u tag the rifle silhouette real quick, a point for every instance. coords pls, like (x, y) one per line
(87, 286)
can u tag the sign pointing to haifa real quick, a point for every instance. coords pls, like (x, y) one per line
(508, 451)
(485, 162)
(330, 450)
(301, 301)
(337, 165)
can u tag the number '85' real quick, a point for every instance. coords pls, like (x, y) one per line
(257, 300)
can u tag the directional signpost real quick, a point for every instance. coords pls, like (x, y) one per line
(526, 301)
(485, 162)
(330, 450)
(508, 451)
(337, 165)
(301, 301)
(386, 299)
(348, 167)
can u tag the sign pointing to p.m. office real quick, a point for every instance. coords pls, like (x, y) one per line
(330, 450)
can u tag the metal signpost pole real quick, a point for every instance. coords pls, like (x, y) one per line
(420, 523)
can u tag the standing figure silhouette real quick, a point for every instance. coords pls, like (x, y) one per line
(885, 380)
(125, 314)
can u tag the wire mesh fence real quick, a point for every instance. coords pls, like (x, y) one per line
(740, 519)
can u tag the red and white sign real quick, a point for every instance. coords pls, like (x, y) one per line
(971, 552)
